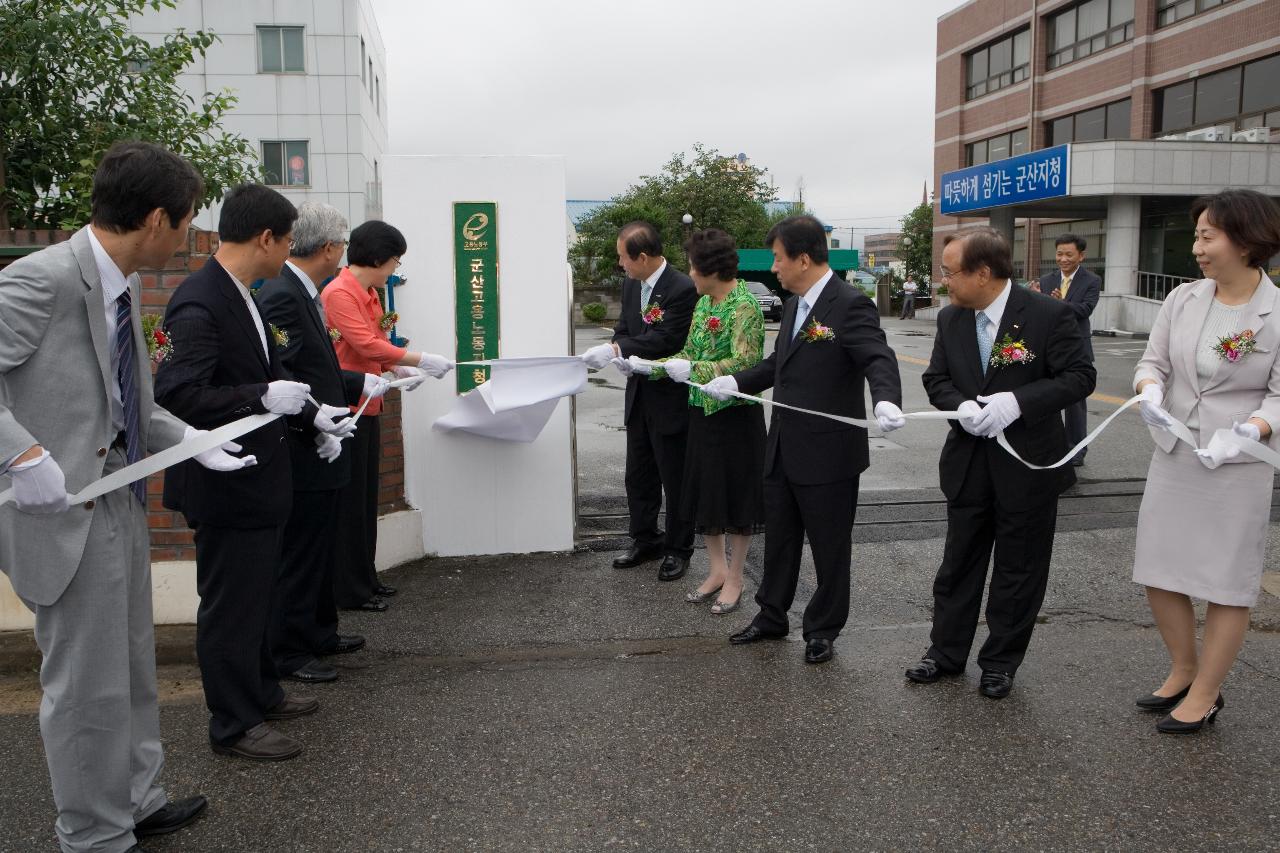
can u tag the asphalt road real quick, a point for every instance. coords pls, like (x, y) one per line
(551, 703)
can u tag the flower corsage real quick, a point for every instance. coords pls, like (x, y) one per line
(280, 335)
(813, 331)
(387, 320)
(1009, 351)
(652, 314)
(334, 334)
(159, 343)
(713, 325)
(1235, 347)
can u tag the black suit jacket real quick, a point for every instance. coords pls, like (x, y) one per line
(217, 374)
(827, 376)
(1060, 374)
(1082, 296)
(309, 357)
(675, 294)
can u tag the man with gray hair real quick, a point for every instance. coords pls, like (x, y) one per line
(305, 619)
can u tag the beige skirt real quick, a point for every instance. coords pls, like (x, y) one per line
(1204, 533)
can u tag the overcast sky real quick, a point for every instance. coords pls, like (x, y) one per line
(834, 94)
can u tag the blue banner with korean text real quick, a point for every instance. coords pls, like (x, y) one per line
(1039, 174)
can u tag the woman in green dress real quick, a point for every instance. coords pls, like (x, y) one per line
(723, 490)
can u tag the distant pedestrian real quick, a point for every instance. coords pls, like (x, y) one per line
(909, 289)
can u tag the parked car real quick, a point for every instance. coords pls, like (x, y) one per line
(770, 304)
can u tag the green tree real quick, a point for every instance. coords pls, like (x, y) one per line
(74, 80)
(717, 191)
(915, 249)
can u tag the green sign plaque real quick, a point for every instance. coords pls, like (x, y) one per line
(475, 269)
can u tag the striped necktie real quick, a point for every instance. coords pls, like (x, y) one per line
(127, 375)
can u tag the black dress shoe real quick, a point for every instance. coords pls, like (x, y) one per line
(373, 605)
(346, 643)
(995, 684)
(1077, 463)
(1171, 726)
(293, 706)
(385, 591)
(1164, 704)
(672, 568)
(819, 651)
(171, 817)
(753, 634)
(635, 556)
(927, 670)
(262, 743)
(313, 672)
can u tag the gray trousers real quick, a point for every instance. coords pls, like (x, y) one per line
(99, 717)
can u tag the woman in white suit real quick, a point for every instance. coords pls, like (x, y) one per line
(1211, 362)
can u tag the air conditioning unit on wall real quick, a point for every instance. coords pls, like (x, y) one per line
(1217, 133)
(1173, 137)
(1253, 134)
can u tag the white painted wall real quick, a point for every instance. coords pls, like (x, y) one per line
(330, 105)
(477, 495)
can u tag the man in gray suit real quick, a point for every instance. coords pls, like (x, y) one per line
(85, 570)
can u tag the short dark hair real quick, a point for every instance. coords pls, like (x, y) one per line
(250, 209)
(639, 238)
(800, 235)
(374, 243)
(714, 253)
(135, 178)
(983, 246)
(1250, 219)
(1064, 239)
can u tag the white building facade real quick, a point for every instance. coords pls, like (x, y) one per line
(311, 83)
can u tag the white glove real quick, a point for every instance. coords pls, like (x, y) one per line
(402, 372)
(623, 365)
(39, 486)
(720, 387)
(1247, 430)
(1219, 451)
(889, 417)
(436, 366)
(285, 398)
(220, 458)
(1149, 408)
(324, 421)
(328, 447)
(639, 366)
(969, 413)
(1001, 410)
(678, 369)
(598, 356)
(374, 386)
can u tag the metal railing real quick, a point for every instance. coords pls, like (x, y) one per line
(1156, 285)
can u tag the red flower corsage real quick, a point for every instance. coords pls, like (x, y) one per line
(652, 314)
(1235, 347)
(815, 331)
(714, 324)
(159, 344)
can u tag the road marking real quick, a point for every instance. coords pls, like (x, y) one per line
(912, 360)
(1101, 398)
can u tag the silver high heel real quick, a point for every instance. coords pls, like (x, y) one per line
(721, 608)
(695, 597)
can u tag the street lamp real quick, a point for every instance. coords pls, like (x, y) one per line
(686, 222)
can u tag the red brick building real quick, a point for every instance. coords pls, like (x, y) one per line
(1014, 76)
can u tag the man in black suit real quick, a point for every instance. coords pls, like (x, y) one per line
(305, 623)
(225, 365)
(1021, 356)
(657, 307)
(1079, 288)
(829, 345)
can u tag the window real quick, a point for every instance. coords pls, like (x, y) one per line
(287, 164)
(1087, 28)
(377, 96)
(370, 77)
(363, 79)
(999, 64)
(1239, 96)
(1110, 121)
(280, 50)
(1172, 11)
(996, 148)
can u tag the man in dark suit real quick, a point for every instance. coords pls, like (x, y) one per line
(829, 345)
(226, 365)
(305, 622)
(657, 307)
(1020, 354)
(1079, 288)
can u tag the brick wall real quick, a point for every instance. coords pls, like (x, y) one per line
(170, 536)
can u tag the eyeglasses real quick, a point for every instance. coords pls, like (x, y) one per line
(946, 273)
(398, 262)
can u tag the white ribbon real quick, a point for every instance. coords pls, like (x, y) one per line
(180, 452)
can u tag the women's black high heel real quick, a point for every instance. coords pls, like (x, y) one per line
(1170, 726)
(1163, 704)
